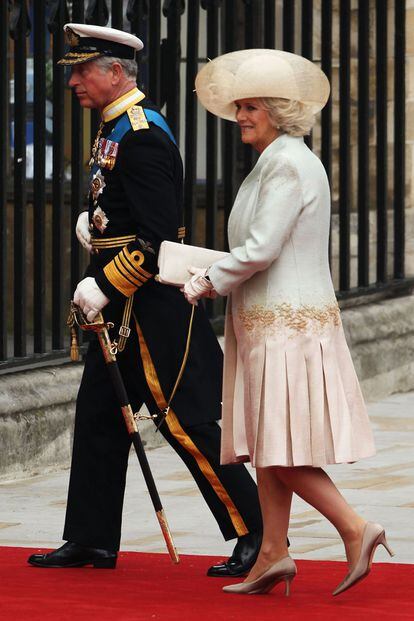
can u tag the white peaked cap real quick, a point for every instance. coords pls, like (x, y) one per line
(88, 42)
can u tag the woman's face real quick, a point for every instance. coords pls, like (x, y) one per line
(254, 124)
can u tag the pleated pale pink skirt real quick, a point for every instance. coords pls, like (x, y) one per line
(292, 401)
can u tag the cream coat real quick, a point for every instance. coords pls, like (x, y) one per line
(290, 394)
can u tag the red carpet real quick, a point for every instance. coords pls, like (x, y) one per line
(149, 586)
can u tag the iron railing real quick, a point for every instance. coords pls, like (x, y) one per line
(46, 139)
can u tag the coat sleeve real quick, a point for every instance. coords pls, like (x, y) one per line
(148, 180)
(279, 204)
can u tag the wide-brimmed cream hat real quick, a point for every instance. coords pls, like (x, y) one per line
(260, 73)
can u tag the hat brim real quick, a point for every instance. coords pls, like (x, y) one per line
(76, 58)
(254, 73)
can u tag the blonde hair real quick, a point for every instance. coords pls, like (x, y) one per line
(289, 116)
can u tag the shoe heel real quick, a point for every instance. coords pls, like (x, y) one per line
(383, 541)
(105, 563)
(288, 580)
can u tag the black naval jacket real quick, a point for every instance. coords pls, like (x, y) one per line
(142, 196)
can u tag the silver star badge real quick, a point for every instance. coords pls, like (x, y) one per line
(97, 184)
(99, 219)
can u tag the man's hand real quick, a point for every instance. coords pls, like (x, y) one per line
(83, 232)
(89, 298)
(198, 286)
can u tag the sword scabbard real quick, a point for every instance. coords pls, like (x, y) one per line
(165, 529)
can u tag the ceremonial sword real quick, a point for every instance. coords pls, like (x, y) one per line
(100, 327)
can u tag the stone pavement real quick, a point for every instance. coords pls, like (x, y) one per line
(380, 488)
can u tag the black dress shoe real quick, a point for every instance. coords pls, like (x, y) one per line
(74, 555)
(242, 560)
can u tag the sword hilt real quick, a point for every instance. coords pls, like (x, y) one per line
(76, 316)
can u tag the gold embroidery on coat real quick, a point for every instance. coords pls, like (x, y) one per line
(299, 319)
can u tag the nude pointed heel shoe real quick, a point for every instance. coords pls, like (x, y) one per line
(374, 535)
(284, 570)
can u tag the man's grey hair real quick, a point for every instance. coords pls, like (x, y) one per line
(129, 66)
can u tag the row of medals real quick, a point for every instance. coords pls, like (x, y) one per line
(98, 181)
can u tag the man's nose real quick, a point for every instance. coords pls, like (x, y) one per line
(73, 79)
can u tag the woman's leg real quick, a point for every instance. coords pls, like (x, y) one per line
(275, 486)
(275, 502)
(315, 487)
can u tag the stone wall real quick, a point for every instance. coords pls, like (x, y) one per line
(36, 419)
(37, 410)
(381, 340)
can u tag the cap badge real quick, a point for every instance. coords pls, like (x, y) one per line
(71, 37)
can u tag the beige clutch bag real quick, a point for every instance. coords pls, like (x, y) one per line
(174, 259)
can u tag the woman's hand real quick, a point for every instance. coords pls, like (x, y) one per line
(199, 286)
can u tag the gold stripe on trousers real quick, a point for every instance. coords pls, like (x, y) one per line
(184, 439)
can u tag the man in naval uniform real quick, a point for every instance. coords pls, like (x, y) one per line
(135, 203)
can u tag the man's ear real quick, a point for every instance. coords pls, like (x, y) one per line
(117, 73)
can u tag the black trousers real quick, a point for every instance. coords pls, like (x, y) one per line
(100, 458)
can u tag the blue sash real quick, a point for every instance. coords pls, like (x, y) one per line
(152, 116)
(158, 119)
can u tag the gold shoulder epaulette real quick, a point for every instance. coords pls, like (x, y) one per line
(137, 118)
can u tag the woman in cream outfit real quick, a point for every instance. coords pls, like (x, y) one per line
(291, 399)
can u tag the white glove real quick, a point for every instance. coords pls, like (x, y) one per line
(198, 286)
(83, 232)
(89, 298)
